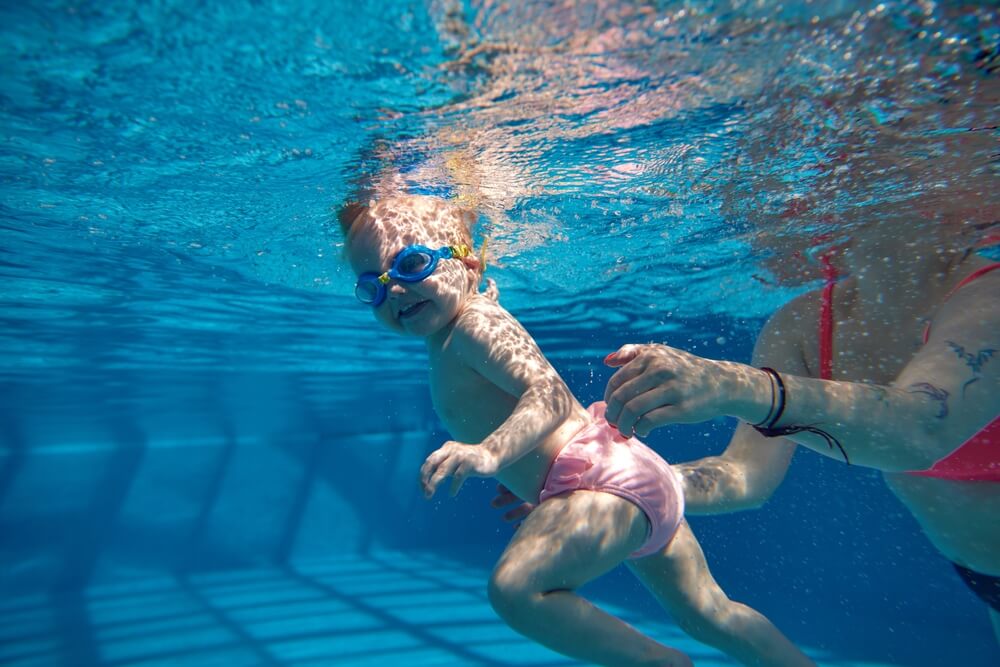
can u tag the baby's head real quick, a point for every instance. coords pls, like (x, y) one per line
(412, 290)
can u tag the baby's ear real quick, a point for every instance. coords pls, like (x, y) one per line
(349, 213)
(472, 261)
(492, 292)
(469, 218)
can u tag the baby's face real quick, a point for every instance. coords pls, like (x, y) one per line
(416, 308)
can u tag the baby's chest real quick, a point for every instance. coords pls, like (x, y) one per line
(469, 405)
(452, 388)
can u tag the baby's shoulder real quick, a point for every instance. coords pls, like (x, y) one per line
(480, 309)
(485, 321)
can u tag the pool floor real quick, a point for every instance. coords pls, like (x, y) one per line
(389, 608)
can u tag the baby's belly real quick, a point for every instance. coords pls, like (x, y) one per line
(526, 476)
(961, 519)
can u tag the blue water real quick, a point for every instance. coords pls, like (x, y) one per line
(208, 452)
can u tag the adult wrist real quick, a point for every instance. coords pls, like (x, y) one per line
(766, 426)
(753, 394)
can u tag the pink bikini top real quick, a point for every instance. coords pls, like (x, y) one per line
(976, 459)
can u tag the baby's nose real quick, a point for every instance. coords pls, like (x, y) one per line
(396, 287)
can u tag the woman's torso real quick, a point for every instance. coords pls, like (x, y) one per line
(872, 344)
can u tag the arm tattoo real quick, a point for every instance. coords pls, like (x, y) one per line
(974, 360)
(936, 394)
(703, 479)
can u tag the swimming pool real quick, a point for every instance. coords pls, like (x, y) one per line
(209, 452)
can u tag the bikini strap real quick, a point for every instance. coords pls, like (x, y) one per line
(826, 320)
(981, 271)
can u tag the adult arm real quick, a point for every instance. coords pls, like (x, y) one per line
(743, 477)
(750, 469)
(950, 389)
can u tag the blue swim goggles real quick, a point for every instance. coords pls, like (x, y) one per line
(413, 264)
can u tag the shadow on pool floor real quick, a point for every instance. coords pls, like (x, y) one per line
(390, 608)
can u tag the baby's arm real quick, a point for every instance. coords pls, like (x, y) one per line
(491, 342)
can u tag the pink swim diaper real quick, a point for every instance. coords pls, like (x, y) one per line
(599, 458)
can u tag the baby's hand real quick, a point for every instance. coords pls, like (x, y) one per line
(457, 460)
(506, 497)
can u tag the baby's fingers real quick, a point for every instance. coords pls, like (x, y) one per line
(435, 469)
(444, 469)
(429, 466)
(458, 479)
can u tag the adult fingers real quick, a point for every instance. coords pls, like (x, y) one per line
(661, 416)
(622, 376)
(518, 513)
(623, 355)
(504, 497)
(639, 405)
(633, 388)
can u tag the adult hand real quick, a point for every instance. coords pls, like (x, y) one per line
(506, 497)
(457, 460)
(657, 385)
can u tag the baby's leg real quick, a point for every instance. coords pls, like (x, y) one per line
(679, 578)
(565, 542)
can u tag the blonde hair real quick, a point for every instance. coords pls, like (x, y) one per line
(442, 220)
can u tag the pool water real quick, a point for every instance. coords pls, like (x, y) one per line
(209, 451)
(386, 607)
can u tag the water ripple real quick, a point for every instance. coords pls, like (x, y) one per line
(169, 171)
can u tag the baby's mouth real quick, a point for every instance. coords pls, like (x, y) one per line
(412, 309)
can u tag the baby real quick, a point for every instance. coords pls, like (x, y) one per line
(602, 499)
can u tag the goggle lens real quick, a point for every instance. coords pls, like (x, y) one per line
(414, 265)
(367, 290)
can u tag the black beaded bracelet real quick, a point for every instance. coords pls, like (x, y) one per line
(770, 411)
(777, 401)
(769, 428)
